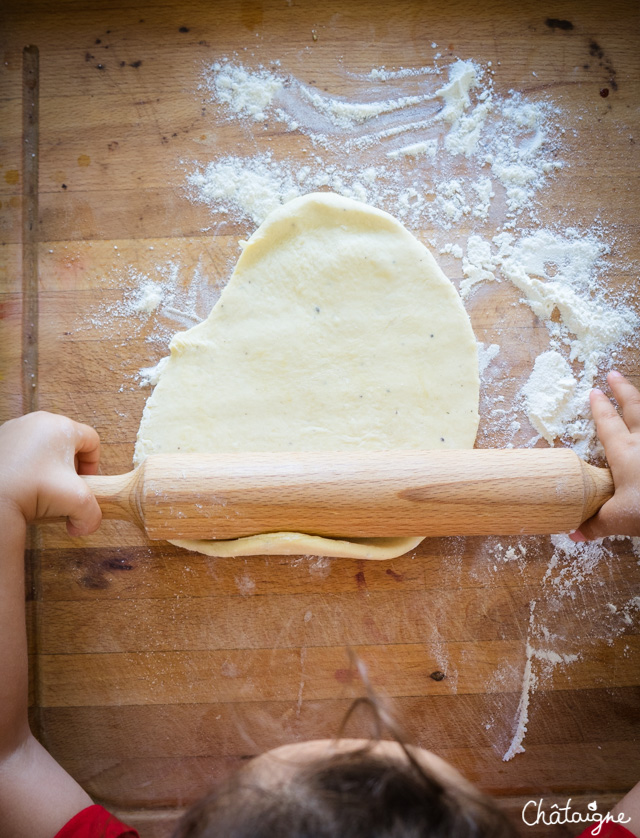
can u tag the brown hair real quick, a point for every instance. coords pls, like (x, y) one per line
(353, 794)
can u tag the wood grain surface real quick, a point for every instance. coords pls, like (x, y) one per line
(155, 671)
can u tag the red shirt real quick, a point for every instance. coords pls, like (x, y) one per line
(96, 822)
(607, 830)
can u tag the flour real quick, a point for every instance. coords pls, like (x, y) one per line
(426, 147)
(245, 93)
(256, 191)
(381, 74)
(463, 76)
(347, 115)
(486, 354)
(148, 299)
(558, 276)
(149, 375)
(522, 714)
(572, 562)
(630, 609)
(549, 394)
(478, 265)
(506, 142)
(485, 192)
(570, 615)
(144, 293)
(465, 135)
(530, 681)
(559, 272)
(261, 94)
(155, 303)
(454, 249)
(451, 202)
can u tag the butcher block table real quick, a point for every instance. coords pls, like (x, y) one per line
(155, 671)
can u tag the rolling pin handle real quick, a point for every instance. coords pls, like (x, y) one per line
(119, 495)
(598, 489)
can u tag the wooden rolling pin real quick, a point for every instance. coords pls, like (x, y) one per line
(357, 493)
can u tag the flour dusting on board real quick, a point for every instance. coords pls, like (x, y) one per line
(468, 169)
(573, 619)
(396, 150)
(557, 278)
(169, 295)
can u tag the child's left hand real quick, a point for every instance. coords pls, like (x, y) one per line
(41, 458)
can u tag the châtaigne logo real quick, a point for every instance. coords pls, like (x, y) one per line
(535, 813)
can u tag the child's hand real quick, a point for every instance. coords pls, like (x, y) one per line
(41, 456)
(621, 440)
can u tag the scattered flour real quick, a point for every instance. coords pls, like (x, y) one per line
(559, 273)
(347, 115)
(549, 395)
(154, 304)
(426, 147)
(571, 614)
(483, 188)
(454, 249)
(437, 147)
(558, 276)
(244, 92)
(486, 354)
(508, 143)
(148, 299)
(245, 584)
(522, 713)
(381, 74)
(261, 95)
(463, 77)
(257, 189)
(548, 659)
(478, 265)
(528, 684)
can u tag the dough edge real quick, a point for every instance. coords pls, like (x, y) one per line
(303, 544)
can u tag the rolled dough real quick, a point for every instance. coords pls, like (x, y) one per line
(337, 330)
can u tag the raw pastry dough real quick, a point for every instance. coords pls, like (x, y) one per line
(337, 330)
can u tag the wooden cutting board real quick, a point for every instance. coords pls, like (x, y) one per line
(155, 671)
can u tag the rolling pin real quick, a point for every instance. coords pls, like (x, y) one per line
(356, 494)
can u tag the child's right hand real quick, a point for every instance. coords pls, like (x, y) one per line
(41, 458)
(620, 437)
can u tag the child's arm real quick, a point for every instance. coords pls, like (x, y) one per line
(620, 437)
(39, 455)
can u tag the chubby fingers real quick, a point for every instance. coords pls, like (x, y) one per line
(83, 513)
(628, 398)
(610, 425)
(87, 445)
(603, 523)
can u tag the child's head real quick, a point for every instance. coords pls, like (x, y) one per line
(349, 788)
